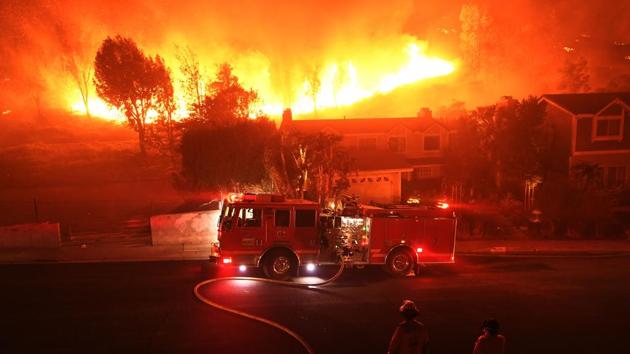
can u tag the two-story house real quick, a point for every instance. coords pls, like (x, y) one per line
(388, 152)
(593, 128)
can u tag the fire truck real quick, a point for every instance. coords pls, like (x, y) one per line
(282, 235)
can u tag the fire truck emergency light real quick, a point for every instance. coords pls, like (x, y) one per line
(419, 250)
(242, 268)
(310, 267)
(227, 260)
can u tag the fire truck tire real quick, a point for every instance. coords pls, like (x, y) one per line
(400, 262)
(279, 265)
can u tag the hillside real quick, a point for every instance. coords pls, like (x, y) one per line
(79, 171)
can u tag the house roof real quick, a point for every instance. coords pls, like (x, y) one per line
(586, 103)
(362, 125)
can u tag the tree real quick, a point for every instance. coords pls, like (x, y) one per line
(574, 75)
(468, 167)
(81, 73)
(163, 129)
(77, 53)
(314, 85)
(515, 138)
(192, 81)
(318, 157)
(131, 81)
(223, 147)
(227, 156)
(226, 101)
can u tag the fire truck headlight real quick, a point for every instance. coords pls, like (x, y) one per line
(310, 267)
(242, 268)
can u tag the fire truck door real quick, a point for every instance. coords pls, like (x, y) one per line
(250, 228)
(439, 239)
(306, 231)
(278, 229)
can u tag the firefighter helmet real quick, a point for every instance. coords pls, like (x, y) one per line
(408, 309)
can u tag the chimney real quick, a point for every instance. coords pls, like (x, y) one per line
(287, 116)
(425, 112)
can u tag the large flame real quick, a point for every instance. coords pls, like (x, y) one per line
(339, 83)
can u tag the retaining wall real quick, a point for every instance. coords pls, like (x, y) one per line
(194, 228)
(40, 235)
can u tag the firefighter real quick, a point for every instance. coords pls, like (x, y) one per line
(410, 336)
(490, 342)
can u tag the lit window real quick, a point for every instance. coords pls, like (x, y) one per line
(432, 143)
(398, 144)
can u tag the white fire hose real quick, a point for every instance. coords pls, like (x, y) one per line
(286, 330)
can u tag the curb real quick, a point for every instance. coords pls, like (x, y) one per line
(102, 255)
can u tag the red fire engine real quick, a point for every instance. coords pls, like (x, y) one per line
(280, 235)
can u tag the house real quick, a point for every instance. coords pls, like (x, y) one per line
(593, 128)
(390, 154)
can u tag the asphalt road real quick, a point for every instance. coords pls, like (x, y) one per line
(546, 305)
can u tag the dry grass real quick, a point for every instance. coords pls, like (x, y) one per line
(80, 171)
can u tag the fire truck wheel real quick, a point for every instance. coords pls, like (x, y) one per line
(400, 262)
(279, 265)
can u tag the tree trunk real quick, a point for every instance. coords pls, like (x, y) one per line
(141, 138)
(285, 173)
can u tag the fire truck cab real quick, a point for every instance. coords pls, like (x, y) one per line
(279, 235)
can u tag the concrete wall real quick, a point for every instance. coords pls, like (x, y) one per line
(194, 228)
(41, 235)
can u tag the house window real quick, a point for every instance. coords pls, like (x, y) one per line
(615, 176)
(432, 143)
(398, 144)
(423, 172)
(608, 127)
(367, 143)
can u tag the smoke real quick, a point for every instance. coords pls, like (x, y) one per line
(274, 45)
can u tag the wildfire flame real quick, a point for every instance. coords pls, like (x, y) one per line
(339, 83)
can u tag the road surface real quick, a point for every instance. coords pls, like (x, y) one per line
(546, 305)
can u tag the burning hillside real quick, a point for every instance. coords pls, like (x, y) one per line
(310, 55)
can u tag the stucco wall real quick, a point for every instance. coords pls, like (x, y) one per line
(196, 228)
(40, 235)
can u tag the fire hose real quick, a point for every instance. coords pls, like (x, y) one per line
(284, 329)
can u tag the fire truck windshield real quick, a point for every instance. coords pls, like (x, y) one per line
(225, 220)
